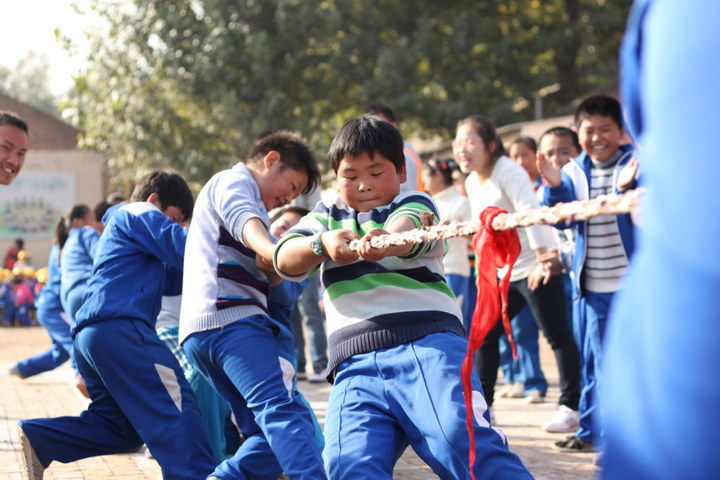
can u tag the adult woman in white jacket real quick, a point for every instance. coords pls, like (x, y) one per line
(495, 180)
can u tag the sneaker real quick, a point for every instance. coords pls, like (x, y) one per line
(15, 372)
(536, 396)
(316, 378)
(573, 444)
(512, 390)
(301, 376)
(33, 469)
(564, 420)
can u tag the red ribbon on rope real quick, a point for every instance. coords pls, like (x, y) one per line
(494, 249)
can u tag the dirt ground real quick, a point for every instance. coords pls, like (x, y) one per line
(53, 394)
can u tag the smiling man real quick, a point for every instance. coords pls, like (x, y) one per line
(13, 146)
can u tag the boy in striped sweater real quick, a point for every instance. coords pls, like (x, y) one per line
(396, 339)
(603, 243)
(226, 328)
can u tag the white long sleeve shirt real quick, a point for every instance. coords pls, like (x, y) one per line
(509, 187)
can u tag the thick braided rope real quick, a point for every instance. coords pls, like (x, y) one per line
(612, 204)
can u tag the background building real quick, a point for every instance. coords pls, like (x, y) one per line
(56, 176)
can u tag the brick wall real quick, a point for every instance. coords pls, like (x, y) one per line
(46, 131)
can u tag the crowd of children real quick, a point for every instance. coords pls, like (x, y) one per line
(18, 289)
(397, 317)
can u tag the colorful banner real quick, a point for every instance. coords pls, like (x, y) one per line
(31, 206)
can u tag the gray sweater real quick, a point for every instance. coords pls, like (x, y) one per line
(221, 283)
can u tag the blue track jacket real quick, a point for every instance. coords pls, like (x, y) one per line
(139, 259)
(49, 296)
(576, 186)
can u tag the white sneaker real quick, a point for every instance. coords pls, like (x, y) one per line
(565, 420)
(33, 469)
(512, 390)
(501, 392)
(535, 396)
(15, 371)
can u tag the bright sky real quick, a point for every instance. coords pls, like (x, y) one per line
(29, 25)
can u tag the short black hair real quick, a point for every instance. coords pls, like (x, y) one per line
(381, 109)
(11, 118)
(100, 210)
(599, 105)
(563, 132)
(294, 154)
(302, 211)
(172, 190)
(367, 134)
(78, 210)
(528, 141)
(63, 226)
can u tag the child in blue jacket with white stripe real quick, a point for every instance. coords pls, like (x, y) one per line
(50, 315)
(77, 256)
(603, 244)
(138, 391)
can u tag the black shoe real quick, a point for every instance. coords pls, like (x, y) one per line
(573, 444)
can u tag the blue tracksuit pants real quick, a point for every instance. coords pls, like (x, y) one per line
(250, 363)
(57, 325)
(460, 286)
(73, 301)
(589, 329)
(139, 394)
(411, 394)
(526, 368)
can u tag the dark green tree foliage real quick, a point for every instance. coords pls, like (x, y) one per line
(189, 83)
